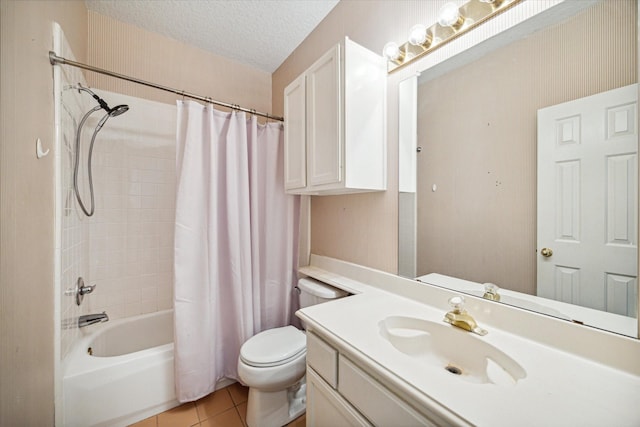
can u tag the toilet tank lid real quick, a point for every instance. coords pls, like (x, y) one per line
(319, 289)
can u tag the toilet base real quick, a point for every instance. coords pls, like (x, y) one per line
(276, 408)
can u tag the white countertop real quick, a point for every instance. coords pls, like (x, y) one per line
(560, 389)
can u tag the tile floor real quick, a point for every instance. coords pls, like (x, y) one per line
(226, 407)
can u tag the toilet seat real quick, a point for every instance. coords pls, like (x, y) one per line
(273, 347)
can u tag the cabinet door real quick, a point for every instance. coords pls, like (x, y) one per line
(295, 156)
(323, 359)
(325, 407)
(374, 400)
(365, 131)
(324, 112)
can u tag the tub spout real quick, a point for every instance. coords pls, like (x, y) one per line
(90, 319)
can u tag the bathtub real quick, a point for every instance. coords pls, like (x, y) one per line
(128, 377)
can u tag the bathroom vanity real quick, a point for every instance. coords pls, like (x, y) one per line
(383, 356)
(337, 385)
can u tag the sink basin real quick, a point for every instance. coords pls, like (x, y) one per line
(446, 347)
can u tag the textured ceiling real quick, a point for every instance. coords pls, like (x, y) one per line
(260, 33)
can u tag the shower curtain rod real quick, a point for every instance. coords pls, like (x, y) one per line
(55, 59)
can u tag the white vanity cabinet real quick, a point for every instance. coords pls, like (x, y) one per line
(340, 393)
(325, 406)
(335, 124)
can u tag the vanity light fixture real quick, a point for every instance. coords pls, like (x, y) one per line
(392, 52)
(418, 36)
(449, 16)
(452, 22)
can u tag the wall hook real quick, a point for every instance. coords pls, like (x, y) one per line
(40, 153)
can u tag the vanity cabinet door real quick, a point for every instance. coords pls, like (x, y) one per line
(295, 152)
(375, 401)
(323, 359)
(326, 408)
(324, 138)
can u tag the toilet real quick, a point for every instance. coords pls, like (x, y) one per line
(272, 364)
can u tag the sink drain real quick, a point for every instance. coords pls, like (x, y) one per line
(453, 369)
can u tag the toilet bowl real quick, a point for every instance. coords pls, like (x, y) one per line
(272, 364)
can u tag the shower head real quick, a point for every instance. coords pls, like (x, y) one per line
(118, 109)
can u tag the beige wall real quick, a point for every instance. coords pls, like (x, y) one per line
(362, 228)
(359, 228)
(477, 127)
(130, 50)
(27, 205)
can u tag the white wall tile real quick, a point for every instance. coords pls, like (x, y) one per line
(74, 233)
(126, 248)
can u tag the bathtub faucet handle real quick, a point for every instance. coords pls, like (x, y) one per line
(86, 289)
(80, 290)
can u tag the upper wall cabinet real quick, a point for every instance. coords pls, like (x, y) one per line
(335, 129)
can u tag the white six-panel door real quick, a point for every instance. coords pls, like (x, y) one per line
(588, 201)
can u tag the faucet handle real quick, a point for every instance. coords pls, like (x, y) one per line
(80, 290)
(84, 289)
(491, 292)
(457, 303)
(492, 288)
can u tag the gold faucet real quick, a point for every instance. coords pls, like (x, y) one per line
(491, 292)
(459, 317)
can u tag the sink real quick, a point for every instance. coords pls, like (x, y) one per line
(451, 349)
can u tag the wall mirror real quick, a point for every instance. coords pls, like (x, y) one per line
(506, 193)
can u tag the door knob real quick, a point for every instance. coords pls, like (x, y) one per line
(546, 252)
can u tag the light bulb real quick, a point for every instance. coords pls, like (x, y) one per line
(448, 15)
(418, 35)
(391, 51)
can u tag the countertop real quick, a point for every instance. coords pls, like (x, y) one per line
(560, 388)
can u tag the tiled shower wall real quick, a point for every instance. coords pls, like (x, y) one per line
(131, 232)
(126, 247)
(72, 238)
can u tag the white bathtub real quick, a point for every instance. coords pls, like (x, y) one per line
(128, 378)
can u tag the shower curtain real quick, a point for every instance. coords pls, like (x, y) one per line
(236, 239)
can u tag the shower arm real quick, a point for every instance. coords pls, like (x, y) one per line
(100, 101)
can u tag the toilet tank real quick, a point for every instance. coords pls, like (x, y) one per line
(314, 292)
